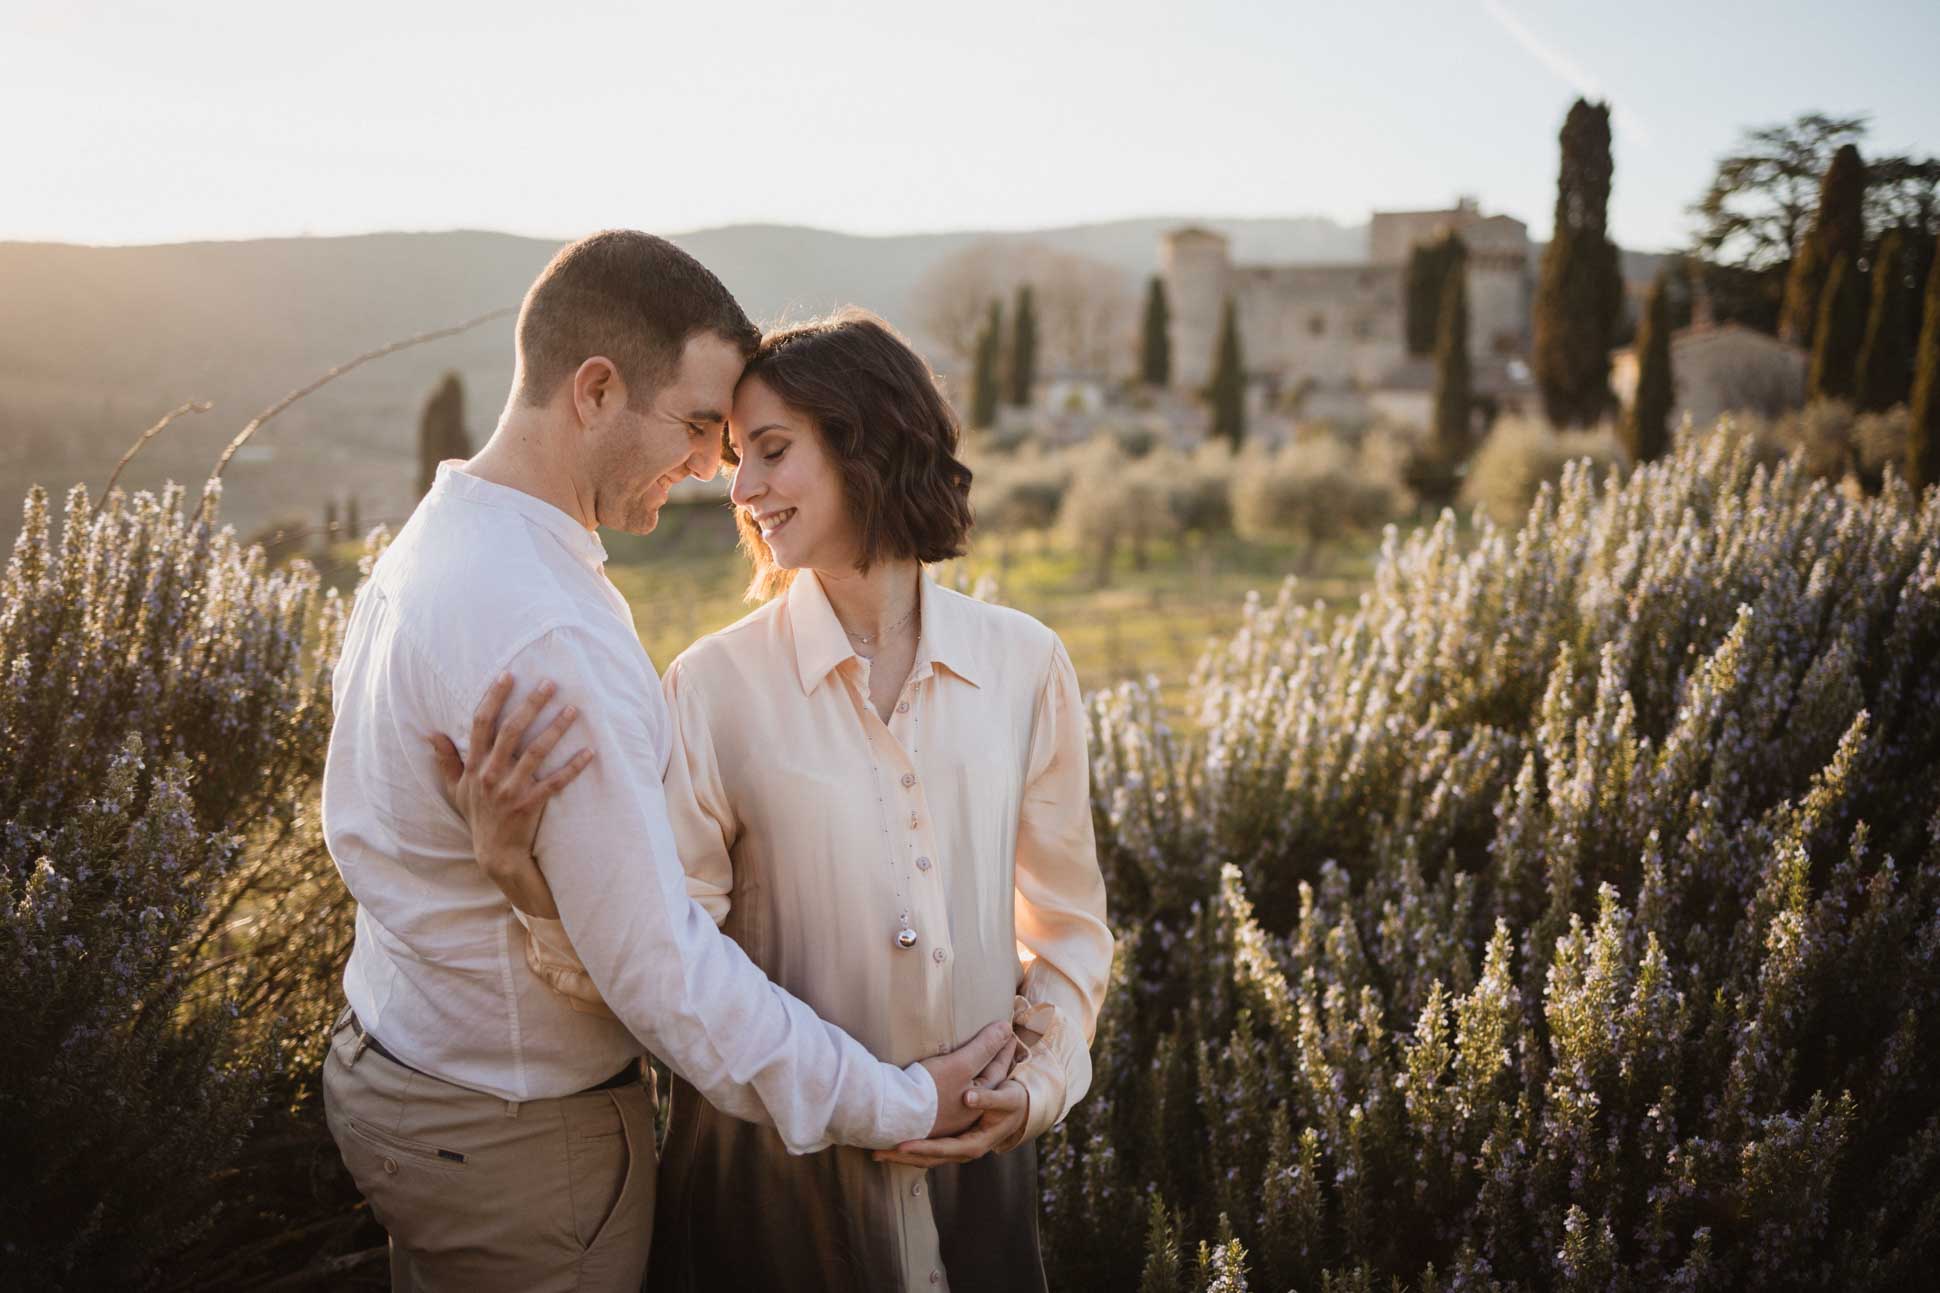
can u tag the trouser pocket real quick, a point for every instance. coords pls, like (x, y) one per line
(410, 1182)
(599, 1159)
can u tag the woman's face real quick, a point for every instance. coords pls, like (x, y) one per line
(787, 483)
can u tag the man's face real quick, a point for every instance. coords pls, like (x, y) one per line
(660, 438)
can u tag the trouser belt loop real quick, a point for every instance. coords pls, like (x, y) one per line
(349, 1016)
(511, 1108)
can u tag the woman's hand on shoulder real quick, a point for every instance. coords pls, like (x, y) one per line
(502, 793)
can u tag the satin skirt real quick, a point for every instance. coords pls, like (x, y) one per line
(736, 1210)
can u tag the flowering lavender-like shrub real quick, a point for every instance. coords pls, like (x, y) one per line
(163, 712)
(1566, 916)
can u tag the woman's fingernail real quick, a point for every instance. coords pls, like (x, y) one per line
(568, 712)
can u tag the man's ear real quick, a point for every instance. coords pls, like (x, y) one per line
(597, 389)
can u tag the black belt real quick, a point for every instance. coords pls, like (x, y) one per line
(626, 1076)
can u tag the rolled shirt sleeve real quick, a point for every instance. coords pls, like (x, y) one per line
(1063, 941)
(653, 954)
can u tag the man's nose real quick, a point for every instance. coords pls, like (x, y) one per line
(706, 460)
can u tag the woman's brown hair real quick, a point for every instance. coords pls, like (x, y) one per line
(893, 437)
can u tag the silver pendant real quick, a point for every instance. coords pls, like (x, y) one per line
(905, 938)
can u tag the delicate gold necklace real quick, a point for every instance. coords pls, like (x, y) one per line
(868, 639)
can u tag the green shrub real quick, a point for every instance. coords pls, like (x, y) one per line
(162, 728)
(1835, 441)
(1113, 504)
(1022, 491)
(1522, 454)
(1198, 488)
(1317, 488)
(1566, 916)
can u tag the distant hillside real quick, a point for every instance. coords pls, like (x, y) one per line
(95, 342)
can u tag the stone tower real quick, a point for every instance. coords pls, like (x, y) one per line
(1197, 266)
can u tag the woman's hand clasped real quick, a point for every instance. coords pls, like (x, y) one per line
(501, 793)
(998, 1105)
(1004, 1111)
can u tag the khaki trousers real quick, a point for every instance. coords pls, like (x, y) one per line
(482, 1194)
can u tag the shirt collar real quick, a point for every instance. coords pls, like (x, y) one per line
(453, 482)
(822, 645)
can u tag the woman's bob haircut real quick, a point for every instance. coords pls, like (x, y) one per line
(887, 427)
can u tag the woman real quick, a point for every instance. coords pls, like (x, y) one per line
(881, 788)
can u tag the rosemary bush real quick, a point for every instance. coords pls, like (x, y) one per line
(1565, 916)
(163, 714)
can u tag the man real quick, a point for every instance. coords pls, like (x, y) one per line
(502, 1137)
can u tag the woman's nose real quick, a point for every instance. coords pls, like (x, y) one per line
(742, 486)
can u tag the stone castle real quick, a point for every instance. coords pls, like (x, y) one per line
(1342, 327)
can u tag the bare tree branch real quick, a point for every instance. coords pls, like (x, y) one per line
(193, 406)
(438, 334)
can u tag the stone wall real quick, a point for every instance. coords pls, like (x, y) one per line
(1333, 326)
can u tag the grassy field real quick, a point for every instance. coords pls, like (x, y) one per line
(686, 581)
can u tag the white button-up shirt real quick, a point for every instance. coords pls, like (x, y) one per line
(485, 580)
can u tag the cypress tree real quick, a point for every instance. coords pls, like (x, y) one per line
(1579, 299)
(1155, 337)
(1838, 231)
(1647, 428)
(1886, 356)
(1835, 342)
(1429, 265)
(1023, 349)
(1454, 391)
(1228, 387)
(441, 430)
(1923, 414)
(985, 385)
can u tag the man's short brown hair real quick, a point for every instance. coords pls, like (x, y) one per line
(889, 430)
(628, 296)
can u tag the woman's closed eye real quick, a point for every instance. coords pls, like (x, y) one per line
(775, 456)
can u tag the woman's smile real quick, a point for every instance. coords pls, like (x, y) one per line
(770, 523)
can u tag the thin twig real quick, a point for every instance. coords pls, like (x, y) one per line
(193, 406)
(328, 1270)
(395, 346)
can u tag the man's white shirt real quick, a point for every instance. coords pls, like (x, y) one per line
(485, 580)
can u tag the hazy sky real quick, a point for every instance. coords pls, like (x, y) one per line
(164, 120)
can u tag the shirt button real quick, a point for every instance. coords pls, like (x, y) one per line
(909, 779)
(922, 864)
(903, 708)
(917, 1190)
(938, 954)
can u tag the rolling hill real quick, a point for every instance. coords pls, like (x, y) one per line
(96, 342)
